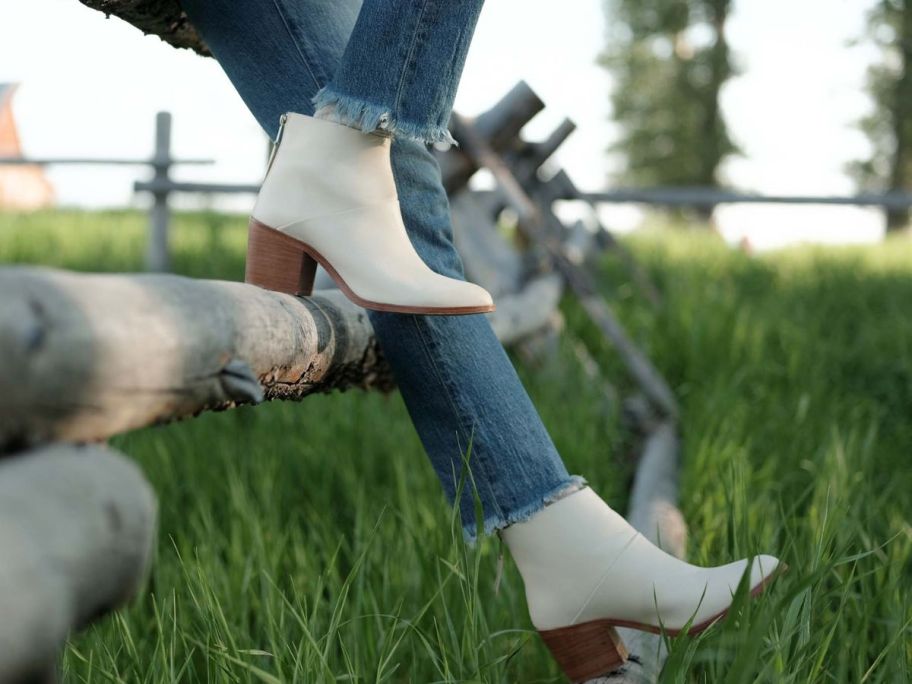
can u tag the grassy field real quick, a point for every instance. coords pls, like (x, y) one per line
(312, 542)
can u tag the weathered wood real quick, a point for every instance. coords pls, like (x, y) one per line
(560, 186)
(542, 150)
(521, 315)
(489, 259)
(77, 526)
(594, 375)
(494, 263)
(162, 18)
(499, 127)
(653, 511)
(86, 356)
(526, 157)
(543, 228)
(654, 497)
(158, 256)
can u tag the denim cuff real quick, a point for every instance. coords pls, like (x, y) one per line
(371, 118)
(494, 523)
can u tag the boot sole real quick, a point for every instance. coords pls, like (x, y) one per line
(279, 262)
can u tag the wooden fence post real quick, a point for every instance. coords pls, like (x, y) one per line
(157, 254)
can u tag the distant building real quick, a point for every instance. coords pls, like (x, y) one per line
(21, 187)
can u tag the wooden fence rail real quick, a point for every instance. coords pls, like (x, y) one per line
(87, 356)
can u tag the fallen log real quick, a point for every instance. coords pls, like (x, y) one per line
(86, 356)
(521, 315)
(653, 511)
(77, 526)
(489, 258)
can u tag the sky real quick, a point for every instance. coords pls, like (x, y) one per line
(792, 111)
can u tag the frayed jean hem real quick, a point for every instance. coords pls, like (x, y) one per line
(494, 523)
(370, 118)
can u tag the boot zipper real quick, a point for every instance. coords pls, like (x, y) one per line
(275, 145)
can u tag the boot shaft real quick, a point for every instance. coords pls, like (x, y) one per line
(320, 168)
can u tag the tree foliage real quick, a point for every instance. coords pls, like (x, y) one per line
(669, 60)
(889, 126)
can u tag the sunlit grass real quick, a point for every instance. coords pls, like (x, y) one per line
(312, 542)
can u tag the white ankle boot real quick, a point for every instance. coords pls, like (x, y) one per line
(586, 570)
(329, 197)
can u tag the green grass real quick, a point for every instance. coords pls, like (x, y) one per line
(312, 542)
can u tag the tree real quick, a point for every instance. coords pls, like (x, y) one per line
(670, 59)
(889, 126)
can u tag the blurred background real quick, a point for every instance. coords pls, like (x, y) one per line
(310, 542)
(760, 97)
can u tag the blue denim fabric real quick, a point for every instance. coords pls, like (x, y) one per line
(455, 378)
(402, 65)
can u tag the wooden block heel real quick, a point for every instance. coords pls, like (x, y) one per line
(587, 650)
(277, 261)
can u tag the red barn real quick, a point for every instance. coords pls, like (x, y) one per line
(21, 187)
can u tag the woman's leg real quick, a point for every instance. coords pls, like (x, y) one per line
(401, 67)
(457, 382)
(584, 567)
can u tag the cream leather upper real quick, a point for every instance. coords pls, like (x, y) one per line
(581, 561)
(332, 187)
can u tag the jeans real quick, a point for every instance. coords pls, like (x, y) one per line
(396, 64)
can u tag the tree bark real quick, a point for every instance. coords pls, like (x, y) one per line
(900, 111)
(77, 526)
(86, 356)
(162, 18)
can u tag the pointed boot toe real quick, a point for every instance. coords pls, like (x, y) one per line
(763, 570)
(587, 571)
(458, 294)
(329, 197)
